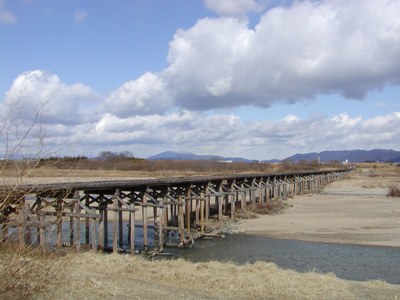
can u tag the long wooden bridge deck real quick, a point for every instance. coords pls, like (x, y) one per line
(109, 214)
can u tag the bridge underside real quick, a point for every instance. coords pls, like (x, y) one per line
(143, 214)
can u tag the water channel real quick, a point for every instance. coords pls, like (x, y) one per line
(352, 262)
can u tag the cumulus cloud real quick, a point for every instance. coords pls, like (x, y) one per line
(233, 8)
(44, 92)
(6, 16)
(80, 16)
(293, 53)
(145, 95)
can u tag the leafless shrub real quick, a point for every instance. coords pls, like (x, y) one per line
(26, 273)
(394, 192)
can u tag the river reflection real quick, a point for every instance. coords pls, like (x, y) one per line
(353, 262)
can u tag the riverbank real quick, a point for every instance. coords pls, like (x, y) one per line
(94, 276)
(352, 211)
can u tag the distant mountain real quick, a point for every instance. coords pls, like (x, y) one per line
(383, 155)
(170, 155)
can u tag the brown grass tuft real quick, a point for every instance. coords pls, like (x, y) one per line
(25, 273)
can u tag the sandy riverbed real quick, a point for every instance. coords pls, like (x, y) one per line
(354, 210)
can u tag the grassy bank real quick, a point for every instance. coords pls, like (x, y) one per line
(95, 276)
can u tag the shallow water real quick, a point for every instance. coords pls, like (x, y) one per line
(353, 262)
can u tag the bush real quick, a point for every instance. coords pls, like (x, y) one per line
(394, 192)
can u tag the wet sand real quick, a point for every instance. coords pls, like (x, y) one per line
(354, 210)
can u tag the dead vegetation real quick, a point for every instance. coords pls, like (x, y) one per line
(394, 192)
(92, 276)
(27, 272)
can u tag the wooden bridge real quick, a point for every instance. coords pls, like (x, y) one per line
(108, 215)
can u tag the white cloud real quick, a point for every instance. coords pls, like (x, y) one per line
(293, 53)
(144, 95)
(228, 135)
(57, 102)
(80, 16)
(233, 8)
(6, 16)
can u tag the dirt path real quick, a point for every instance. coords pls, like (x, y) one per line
(354, 210)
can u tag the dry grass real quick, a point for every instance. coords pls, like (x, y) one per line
(25, 273)
(92, 276)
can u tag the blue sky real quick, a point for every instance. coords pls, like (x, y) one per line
(260, 79)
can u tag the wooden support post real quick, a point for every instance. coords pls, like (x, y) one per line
(165, 219)
(132, 228)
(115, 222)
(260, 195)
(94, 242)
(219, 199)
(101, 225)
(71, 227)
(180, 219)
(59, 222)
(202, 212)
(87, 221)
(42, 229)
(197, 212)
(207, 209)
(120, 224)
(188, 212)
(144, 216)
(243, 201)
(105, 225)
(21, 228)
(233, 199)
(78, 227)
(160, 227)
(155, 224)
(28, 237)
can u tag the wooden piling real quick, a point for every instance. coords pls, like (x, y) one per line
(188, 209)
(202, 212)
(59, 222)
(115, 222)
(144, 216)
(78, 227)
(180, 219)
